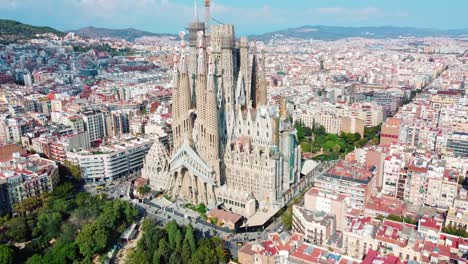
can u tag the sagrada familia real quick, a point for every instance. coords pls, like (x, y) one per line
(230, 148)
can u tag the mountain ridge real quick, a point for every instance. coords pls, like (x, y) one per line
(13, 31)
(129, 34)
(321, 32)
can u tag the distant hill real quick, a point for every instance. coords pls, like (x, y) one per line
(334, 33)
(129, 34)
(12, 31)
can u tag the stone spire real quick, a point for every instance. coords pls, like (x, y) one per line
(211, 138)
(262, 84)
(193, 29)
(182, 127)
(175, 84)
(201, 76)
(253, 77)
(244, 66)
(227, 66)
(241, 97)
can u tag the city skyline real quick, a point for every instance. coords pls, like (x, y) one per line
(307, 145)
(169, 16)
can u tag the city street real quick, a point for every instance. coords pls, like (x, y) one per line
(164, 211)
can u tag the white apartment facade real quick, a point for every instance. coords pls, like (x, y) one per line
(110, 163)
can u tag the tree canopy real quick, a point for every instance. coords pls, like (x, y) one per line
(333, 146)
(67, 226)
(175, 244)
(6, 254)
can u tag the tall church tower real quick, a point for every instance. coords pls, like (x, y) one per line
(228, 146)
(244, 71)
(193, 29)
(253, 76)
(261, 84)
(182, 124)
(211, 133)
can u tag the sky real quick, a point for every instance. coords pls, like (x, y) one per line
(248, 16)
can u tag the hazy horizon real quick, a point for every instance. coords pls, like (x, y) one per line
(250, 17)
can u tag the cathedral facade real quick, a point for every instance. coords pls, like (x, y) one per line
(231, 149)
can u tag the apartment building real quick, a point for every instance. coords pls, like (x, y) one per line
(370, 112)
(95, 122)
(331, 203)
(108, 163)
(317, 226)
(457, 143)
(442, 188)
(23, 177)
(390, 131)
(351, 179)
(395, 175)
(358, 237)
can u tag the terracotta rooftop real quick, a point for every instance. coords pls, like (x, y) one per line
(276, 243)
(351, 169)
(434, 250)
(313, 254)
(430, 223)
(225, 216)
(373, 257)
(394, 232)
(386, 204)
(320, 193)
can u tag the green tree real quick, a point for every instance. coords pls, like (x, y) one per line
(64, 190)
(329, 145)
(300, 133)
(28, 205)
(61, 205)
(83, 198)
(6, 254)
(164, 250)
(137, 257)
(48, 223)
(307, 131)
(336, 148)
(92, 239)
(67, 232)
(186, 251)
(156, 258)
(150, 238)
(306, 147)
(175, 258)
(287, 218)
(190, 237)
(219, 250)
(36, 259)
(461, 232)
(144, 190)
(18, 229)
(61, 253)
(320, 131)
(205, 252)
(172, 229)
(178, 241)
(73, 169)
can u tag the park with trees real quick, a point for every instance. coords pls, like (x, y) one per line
(64, 226)
(329, 146)
(174, 244)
